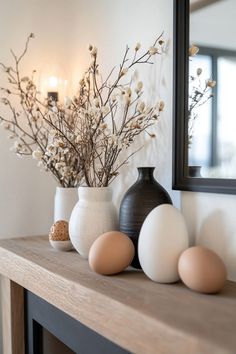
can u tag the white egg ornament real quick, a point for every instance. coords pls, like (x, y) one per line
(163, 237)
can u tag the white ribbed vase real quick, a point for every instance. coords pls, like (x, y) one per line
(93, 215)
(64, 202)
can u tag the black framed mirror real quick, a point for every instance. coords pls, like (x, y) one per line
(204, 129)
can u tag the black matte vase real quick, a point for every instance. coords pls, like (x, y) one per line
(139, 200)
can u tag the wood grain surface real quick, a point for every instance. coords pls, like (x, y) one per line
(12, 301)
(129, 309)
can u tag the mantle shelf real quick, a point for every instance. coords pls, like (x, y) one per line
(128, 309)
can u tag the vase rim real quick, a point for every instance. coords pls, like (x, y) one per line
(95, 193)
(63, 188)
(146, 167)
(93, 188)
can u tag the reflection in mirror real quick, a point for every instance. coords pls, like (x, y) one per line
(212, 78)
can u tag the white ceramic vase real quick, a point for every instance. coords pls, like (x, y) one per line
(93, 215)
(64, 202)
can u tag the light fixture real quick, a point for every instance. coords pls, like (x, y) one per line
(53, 81)
(52, 93)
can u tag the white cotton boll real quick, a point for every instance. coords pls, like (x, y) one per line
(53, 132)
(161, 106)
(113, 97)
(135, 75)
(17, 145)
(211, 83)
(94, 51)
(153, 50)
(141, 106)
(96, 102)
(193, 50)
(139, 87)
(6, 126)
(37, 155)
(105, 110)
(4, 100)
(67, 101)
(124, 71)
(25, 79)
(128, 91)
(12, 136)
(137, 47)
(199, 71)
(127, 99)
(55, 109)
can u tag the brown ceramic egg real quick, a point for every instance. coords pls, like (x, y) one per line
(202, 270)
(111, 253)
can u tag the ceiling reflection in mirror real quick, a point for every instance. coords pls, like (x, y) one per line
(212, 98)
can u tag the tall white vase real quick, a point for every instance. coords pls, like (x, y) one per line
(93, 215)
(64, 202)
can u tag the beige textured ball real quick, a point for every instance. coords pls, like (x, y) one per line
(59, 231)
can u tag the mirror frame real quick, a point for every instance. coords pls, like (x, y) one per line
(180, 179)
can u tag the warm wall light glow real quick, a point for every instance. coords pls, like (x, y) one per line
(52, 81)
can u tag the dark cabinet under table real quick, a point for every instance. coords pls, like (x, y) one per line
(50, 329)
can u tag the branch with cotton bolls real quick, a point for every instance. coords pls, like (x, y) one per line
(200, 91)
(79, 141)
(114, 113)
(36, 125)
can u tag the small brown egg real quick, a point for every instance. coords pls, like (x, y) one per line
(59, 236)
(202, 270)
(111, 253)
(59, 231)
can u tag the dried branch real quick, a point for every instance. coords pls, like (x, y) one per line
(80, 141)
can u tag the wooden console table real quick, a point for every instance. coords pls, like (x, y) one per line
(127, 309)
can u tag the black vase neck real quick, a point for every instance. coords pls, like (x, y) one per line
(146, 174)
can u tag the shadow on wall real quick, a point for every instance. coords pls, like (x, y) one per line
(215, 235)
(191, 220)
(212, 233)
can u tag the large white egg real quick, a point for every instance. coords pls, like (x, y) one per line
(163, 237)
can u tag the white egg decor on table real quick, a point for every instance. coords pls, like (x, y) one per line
(163, 237)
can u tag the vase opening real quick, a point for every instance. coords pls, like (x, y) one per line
(95, 194)
(145, 173)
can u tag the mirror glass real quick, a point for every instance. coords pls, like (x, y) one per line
(212, 80)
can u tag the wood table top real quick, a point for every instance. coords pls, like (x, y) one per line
(128, 308)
